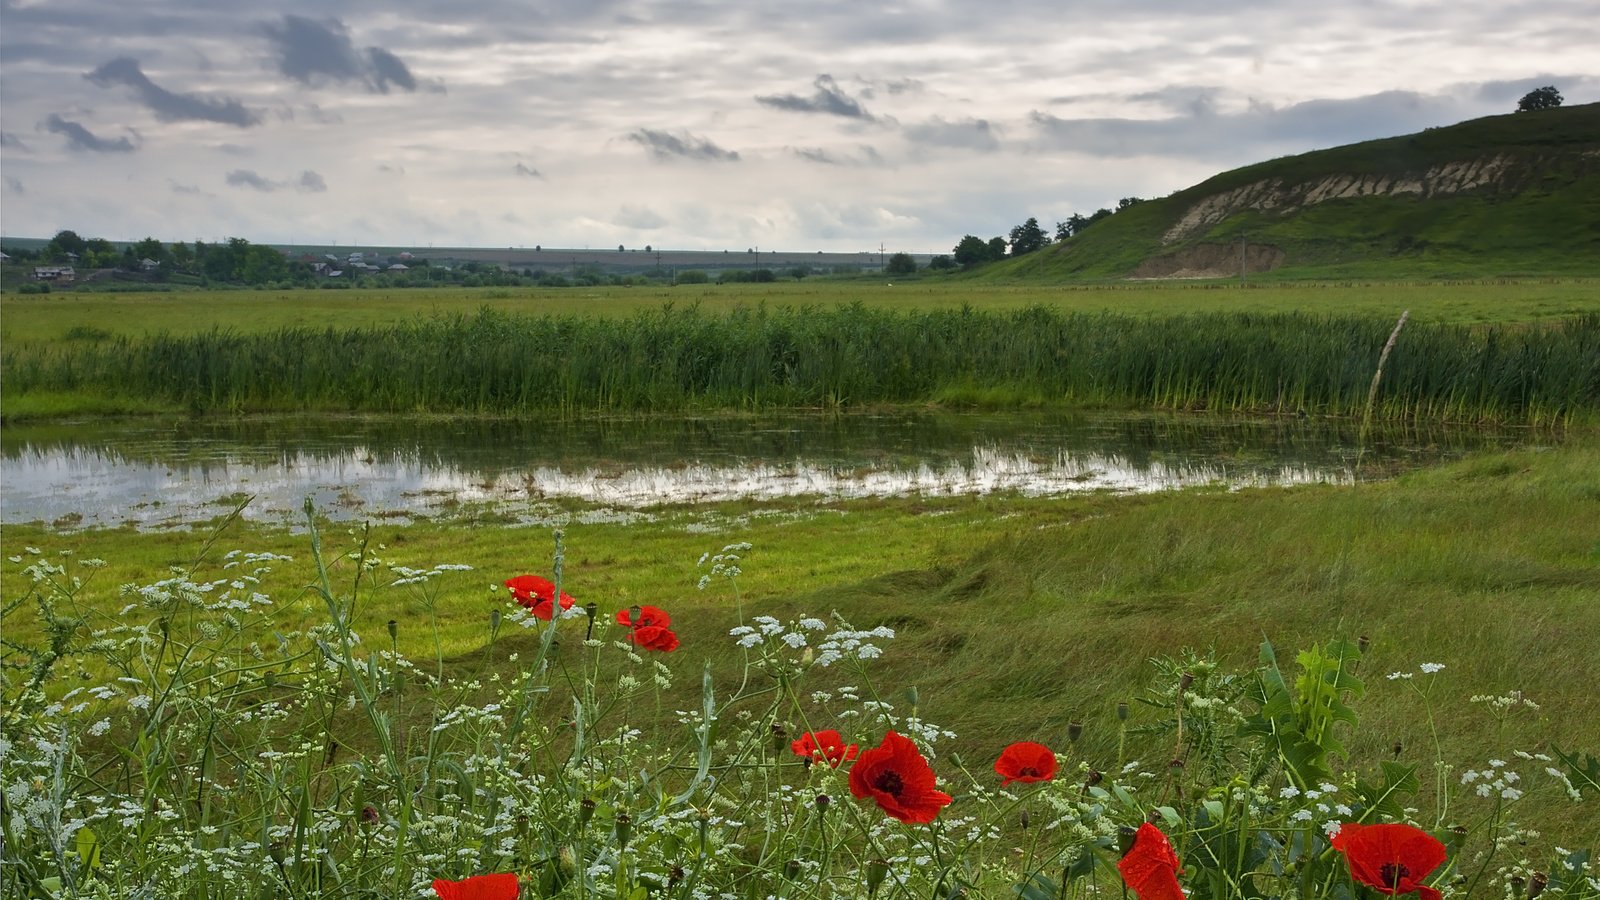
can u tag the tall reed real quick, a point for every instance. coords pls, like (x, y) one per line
(682, 358)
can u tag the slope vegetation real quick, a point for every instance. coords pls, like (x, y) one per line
(1505, 195)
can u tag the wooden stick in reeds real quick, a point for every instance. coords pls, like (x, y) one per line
(1372, 392)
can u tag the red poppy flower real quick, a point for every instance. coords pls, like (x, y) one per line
(648, 615)
(479, 887)
(1150, 866)
(896, 776)
(1025, 761)
(654, 637)
(826, 745)
(1391, 859)
(537, 594)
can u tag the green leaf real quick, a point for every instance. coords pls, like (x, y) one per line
(88, 846)
(1037, 887)
(1585, 778)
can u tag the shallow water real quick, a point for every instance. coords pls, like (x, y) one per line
(170, 473)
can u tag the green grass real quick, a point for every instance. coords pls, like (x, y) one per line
(764, 357)
(86, 317)
(1016, 615)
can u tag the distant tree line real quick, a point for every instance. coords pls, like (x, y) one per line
(1026, 238)
(237, 262)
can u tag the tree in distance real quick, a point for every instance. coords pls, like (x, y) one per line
(901, 264)
(1028, 237)
(997, 248)
(971, 251)
(1546, 97)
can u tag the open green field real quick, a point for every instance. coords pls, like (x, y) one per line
(79, 316)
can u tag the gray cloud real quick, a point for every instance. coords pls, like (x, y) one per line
(864, 156)
(169, 106)
(309, 182)
(80, 138)
(249, 179)
(1258, 131)
(665, 145)
(828, 100)
(11, 141)
(312, 52)
(185, 188)
(14, 185)
(525, 171)
(966, 134)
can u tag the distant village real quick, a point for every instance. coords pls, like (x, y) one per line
(70, 262)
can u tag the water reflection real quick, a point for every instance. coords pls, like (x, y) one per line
(178, 471)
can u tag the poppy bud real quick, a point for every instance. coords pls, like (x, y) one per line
(1537, 884)
(780, 736)
(822, 802)
(634, 612)
(1456, 834)
(271, 678)
(877, 870)
(807, 656)
(1125, 836)
(585, 811)
(1185, 682)
(1122, 711)
(956, 759)
(1518, 885)
(566, 861)
(394, 630)
(1074, 731)
(624, 829)
(1175, 768)
(275, 850)
(1363, 643)
(369, 815)
(912, 696)
(791, 869)
(494, 620)
(1024, 819)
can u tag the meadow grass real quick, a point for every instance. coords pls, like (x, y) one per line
(86, 316)
(1016, 615)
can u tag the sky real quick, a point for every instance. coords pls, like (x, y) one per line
(689, 124)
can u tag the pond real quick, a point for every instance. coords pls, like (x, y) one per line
(170, 473)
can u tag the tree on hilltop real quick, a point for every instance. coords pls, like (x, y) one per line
(1546, 97)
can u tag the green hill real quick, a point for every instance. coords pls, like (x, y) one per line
(1504, 195)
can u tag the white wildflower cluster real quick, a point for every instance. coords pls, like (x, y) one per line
(1496, 781)
(1504, 702)
(768, 631)
(405, 575)
(848, 643)
(724, 564)
(1427, 668)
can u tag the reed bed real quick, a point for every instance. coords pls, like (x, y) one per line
(685, 358)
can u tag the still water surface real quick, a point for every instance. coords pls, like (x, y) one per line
(169, 473)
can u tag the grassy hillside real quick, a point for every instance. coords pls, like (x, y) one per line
(1505, 195)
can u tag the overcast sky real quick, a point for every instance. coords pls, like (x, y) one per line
(693, 124)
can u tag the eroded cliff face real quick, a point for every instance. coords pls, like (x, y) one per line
(1274, 194)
